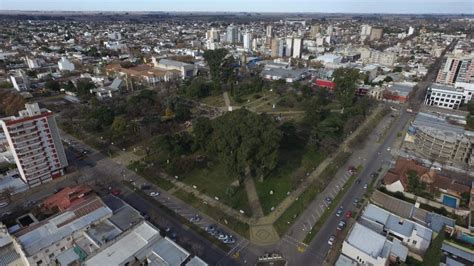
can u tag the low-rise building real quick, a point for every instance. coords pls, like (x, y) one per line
(65, 65)
(367, 247)
(186, 70)
(449, 97)
(413, 235)
(142, 244)
(398, 92)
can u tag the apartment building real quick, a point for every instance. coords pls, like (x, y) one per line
(34, 140)
(456, 69)
(438, 138)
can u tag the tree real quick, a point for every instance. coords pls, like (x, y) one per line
(202, 131)
(214, 59)
(345, 79)
(53, 85)
(182, 112)
(434, 252)
(246, 143)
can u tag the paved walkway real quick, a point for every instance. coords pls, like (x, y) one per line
(252, 195)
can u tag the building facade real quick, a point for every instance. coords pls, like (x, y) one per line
(456, 69)
(447, 97)
(36, 145)
(297, 47)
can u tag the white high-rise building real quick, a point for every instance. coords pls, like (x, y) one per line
(213, 35)
(297, 47)
(247, 40)
(411, 30)
(254, 45)
(269, 31)
(36, 145)
(65, 65)
(289, 47)
(329, 30)
(365, 30)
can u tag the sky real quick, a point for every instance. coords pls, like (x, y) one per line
(344, 6)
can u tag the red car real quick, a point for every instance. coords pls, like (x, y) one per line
(348, 214)
(115, 191)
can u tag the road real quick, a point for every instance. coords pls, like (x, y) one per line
(318, 247)
(105, 171)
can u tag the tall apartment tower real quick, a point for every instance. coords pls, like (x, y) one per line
(247, 41)
(376, 34)
(213, 35)
(314, 31)
(365, 32)
(269, 31)
(289, 47)
(232, 34)
(297, 47)
(34, 140)
(456, 69)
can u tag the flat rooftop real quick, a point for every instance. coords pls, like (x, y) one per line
(366, 240)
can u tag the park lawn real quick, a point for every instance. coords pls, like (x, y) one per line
(293, 167)
(213, 100)
(222, 218)
(214, 181)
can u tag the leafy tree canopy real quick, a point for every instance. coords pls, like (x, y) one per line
(345, 79)
(245, 142)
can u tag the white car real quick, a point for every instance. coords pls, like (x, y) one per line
(154, 194)
(3, 204)
(331, 240)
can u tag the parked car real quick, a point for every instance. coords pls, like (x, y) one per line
(154, 194)
(348, 214)
(358, 181)
(331, 240)
(195, 219)
(341, 225)
(210, 228)
(222, 236)
(145, 187)
(229, 240)
(3, 204)
(115, 191)
(366, 185)
(328, 200)
(339, 212)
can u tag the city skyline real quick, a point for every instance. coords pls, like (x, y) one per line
(318, 6)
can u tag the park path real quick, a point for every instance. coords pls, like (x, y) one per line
(252, 195)
(225, 94)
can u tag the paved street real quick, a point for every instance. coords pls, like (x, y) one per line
(376, 159)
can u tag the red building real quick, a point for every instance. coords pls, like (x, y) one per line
(325, 84)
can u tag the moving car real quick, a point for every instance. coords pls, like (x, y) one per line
(366, 185)
(355, 201)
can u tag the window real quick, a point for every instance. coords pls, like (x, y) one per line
(51, 255)
(414, 242)
(63, 248)
(39, 262)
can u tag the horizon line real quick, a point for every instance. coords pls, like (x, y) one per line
(260, 12)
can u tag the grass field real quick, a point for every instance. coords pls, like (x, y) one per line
(294, 166)
(215, 182)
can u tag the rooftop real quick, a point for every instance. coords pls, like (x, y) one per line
(366, 240)
(51, 230)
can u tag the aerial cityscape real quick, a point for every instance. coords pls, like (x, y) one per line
(236, 132)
